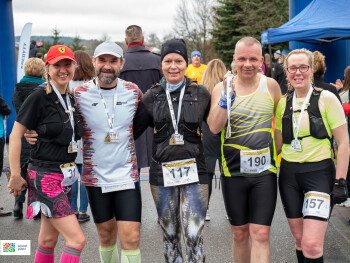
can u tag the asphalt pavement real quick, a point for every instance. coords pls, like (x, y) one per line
(217, 234)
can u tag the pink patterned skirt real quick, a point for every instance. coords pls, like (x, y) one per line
(46, 194)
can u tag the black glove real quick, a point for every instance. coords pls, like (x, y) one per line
(340, 191)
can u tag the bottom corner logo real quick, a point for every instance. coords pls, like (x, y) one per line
(9, 247)
(14, 247)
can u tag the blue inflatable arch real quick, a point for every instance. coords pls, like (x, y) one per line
(7, 57)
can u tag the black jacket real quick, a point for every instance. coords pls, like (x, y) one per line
(142, 67)
(4, 108)
(318, 82)
(154, 111)
(21, 92)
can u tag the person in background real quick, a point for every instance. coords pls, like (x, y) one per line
(343, 89)
(267, 61)
(34, 70)
(213, 74)
(196, 69)
(306, 120)
(5, 111)
(51, 112)
(84, 72)
(320, 69)
(141, 67)
(278, 73)
(33, 50)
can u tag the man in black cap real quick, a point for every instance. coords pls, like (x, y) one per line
(176, 108)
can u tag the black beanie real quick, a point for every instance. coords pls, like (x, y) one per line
(177, 46)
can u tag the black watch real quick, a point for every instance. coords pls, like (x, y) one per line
(340, 181)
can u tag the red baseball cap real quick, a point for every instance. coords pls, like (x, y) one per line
(58, 52)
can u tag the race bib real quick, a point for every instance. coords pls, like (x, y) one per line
(316, 204)
(70, 173)
(180, 172)
(115, 188)
(255, 161)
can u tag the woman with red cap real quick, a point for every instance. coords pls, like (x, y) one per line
(51, 112)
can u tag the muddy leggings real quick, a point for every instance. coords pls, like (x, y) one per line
(182, 209)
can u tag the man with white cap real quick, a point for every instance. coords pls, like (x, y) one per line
(108, 106)
(196, 69)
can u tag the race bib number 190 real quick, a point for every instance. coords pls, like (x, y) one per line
(180, 172)
(255, 161)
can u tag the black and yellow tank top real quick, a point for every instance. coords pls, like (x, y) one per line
(251, 132)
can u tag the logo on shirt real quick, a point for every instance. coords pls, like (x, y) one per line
(120, 102)
(94, 104)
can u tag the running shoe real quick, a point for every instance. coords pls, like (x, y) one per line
(207, 217)
(83, 217)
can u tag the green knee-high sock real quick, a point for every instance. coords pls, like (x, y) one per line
(131, 256)
(109, 254)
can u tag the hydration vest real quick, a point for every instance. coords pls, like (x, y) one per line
(317, 127)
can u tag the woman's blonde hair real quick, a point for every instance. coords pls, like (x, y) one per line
(34, 67)
(310, 58)
(213, 74)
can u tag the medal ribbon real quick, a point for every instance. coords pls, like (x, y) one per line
(68, 110)
(228, 96)
(110, 118)
(172, 113)
(295, 125)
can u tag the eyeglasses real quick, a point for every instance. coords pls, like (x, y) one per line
(302, 69)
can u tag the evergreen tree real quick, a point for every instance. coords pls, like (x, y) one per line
(225, 33)
(77, 45)
(239, 18)
(56, 37)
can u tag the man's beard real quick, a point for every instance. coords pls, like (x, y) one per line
(107, 79)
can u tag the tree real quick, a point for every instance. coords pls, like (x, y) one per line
(225, 32)
(76, 45)
(153, 41)
(56, 37)
(236, 19)
(193, 23)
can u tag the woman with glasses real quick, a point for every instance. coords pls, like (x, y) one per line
(306, 120)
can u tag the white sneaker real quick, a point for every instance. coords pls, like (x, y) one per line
(207, 217)
(347, 202)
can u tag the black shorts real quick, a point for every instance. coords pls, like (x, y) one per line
(296, 179)
(250, 199)
(123, 205)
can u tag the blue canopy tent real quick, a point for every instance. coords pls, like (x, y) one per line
(317, 26)
(322, 21)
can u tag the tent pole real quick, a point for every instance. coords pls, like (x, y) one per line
(270, 52)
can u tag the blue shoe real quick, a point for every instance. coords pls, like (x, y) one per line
(83, 217)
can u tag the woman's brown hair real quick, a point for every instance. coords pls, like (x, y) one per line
(85, 69)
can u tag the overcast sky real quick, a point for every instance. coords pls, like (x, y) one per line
(93, 19)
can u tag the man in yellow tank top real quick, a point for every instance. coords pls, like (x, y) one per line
(249, 182)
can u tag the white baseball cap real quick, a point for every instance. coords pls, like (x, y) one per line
(109, 48)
